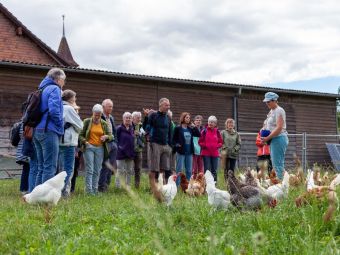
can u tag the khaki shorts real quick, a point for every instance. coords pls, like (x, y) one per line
(159, 157)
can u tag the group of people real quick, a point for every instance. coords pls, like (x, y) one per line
(61, 138)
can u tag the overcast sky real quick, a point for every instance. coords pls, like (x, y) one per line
(287, 44)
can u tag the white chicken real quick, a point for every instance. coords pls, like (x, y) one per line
(216, 197)
(277, 191)
(49, 192)
(169, 190)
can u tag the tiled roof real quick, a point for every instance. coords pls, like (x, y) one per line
(167, 79)
(33, 37)
(65, 52)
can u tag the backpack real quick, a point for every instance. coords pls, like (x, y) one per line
(32, 114)
(14, 133)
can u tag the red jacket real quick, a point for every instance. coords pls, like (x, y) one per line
(262, 149)
(210, 141)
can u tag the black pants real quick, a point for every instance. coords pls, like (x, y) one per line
(230, 164)
(24, 177)
(75, 171)
(263, 158)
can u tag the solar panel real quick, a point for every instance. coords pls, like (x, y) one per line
(334, 152)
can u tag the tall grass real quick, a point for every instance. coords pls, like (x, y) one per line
(122, 222)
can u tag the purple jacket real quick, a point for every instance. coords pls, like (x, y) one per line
(125, 142)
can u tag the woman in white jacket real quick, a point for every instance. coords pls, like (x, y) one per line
(69, 141)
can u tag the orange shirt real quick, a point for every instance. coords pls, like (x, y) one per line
(96, 132)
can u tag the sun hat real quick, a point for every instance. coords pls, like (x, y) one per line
(269, 96)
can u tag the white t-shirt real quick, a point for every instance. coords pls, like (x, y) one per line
(272, 118)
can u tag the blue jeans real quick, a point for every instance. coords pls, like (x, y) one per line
(93, 157)
(47, 147)
(66, 163)
(183, 162)
(210, 163)
(32, 178)
(278, 147)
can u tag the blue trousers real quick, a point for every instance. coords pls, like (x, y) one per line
(93, 157)
(66, 163)
(46, 145)
(210, 163)
(183, 162)
(278, 147)
(32, 178)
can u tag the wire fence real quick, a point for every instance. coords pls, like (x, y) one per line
(309, 148)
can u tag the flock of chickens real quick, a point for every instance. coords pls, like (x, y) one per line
(250, 191)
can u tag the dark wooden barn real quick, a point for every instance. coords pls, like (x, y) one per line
(310, 112)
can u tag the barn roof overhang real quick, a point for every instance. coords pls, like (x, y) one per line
(188, 82)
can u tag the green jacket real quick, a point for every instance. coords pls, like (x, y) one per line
(85, 135)
(231, 143)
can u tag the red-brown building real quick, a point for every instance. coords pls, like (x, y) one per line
(23, 66)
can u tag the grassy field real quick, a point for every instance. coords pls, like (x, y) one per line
(122, 223)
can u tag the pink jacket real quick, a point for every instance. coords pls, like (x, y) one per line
(210, 141)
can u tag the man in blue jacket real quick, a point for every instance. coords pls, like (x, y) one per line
(51, 127)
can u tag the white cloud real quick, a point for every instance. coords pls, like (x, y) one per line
(251, 42)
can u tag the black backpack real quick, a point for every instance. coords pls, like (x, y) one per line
(14, 133)
(32, 114)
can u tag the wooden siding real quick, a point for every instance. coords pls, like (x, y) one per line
(311, 114)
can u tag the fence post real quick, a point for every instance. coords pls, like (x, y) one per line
(304, 151)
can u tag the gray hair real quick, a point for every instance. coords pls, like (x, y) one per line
(212, 118)
(68, 94)
(127, 114)
(105, 101)
(56, 74)
(162, 100)
(136, 114)
(230, 120)
(97, 108)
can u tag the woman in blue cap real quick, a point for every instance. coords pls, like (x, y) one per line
(276, 123)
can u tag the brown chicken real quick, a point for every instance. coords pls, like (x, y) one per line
(184, 183)
(273, 179)
(320, 193)
(197, 186)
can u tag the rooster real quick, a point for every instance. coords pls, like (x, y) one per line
(216, 197)
(169, 190)
(196, 186)
(49, 192)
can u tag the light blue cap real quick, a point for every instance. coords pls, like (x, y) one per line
(269, 96)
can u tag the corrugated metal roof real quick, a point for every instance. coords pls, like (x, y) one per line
(168, 79)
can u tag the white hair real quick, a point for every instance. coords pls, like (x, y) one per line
(56, 74)
(136, 114)
(105, 101)
(127, 114)
(212, 118)
(97, 108)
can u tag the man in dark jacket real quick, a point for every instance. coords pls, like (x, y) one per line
(51, 127)
(106, 173)
(160, 141)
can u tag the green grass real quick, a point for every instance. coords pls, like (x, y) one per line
(120, 223)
